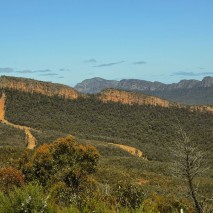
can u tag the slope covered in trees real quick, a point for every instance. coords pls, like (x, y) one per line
(152, 129)
(149, 128)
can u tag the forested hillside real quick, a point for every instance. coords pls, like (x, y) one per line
(154, 130)
(150, 128)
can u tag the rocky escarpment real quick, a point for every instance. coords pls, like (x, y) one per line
(45, 88)
(133, 98)
(114, 95)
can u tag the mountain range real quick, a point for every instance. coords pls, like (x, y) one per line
(185, 91)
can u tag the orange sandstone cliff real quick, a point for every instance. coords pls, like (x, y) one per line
(34, 86)
(131, 98)
(113, 95)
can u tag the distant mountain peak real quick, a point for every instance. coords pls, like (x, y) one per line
(185, 91)
(95, 85)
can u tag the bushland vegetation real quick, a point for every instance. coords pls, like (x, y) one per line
(60, 177)
(144, 127)
(119, 181)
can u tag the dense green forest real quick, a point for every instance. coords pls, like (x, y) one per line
(150, 128)
(11, 137)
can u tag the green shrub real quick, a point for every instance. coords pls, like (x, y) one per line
(63, 195)
(161, 204)
(30, 198)
(129, 196)
(61, 161)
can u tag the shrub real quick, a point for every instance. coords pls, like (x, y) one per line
(157, 204)
(62, 161)
(62, 194)
(27, 199)
(10, 177)
(129, 196)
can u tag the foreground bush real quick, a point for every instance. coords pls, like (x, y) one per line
(27, 199)
(129, 196)
(61, 161)
(156, 204)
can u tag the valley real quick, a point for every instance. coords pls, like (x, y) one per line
(133, 133)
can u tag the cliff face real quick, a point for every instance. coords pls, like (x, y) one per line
(114, 95)
(33, 86)
(2, 104)
(132, 98)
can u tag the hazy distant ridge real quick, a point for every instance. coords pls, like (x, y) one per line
(185, 91)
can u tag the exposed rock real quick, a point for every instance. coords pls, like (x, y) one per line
(45, 88)
(114, 95)
(132, 98)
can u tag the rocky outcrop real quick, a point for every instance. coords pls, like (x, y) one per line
(132, 98)
(34, 86)
(2, 105)
(114, 95)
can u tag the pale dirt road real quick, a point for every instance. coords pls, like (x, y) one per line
(30, 139)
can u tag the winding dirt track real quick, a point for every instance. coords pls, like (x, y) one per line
(133, 151)
(30, 139)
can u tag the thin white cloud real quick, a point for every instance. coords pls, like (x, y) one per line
(92, 60)
(110, 64)
(183, 73)
(139, 62)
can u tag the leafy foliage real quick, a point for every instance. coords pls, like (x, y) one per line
(129, 195)
(30, 198)
(156, 203)
(63, 160)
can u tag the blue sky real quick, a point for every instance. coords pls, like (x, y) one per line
(67, 41)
